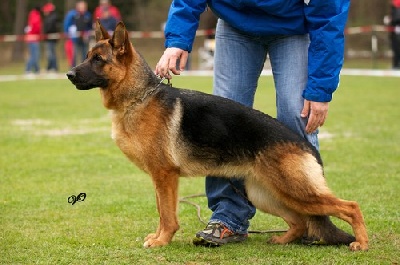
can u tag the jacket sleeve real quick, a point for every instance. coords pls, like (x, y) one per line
(35, 23)
(326, 21)
(182, 23)
(68, 20)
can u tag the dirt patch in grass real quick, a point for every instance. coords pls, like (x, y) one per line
(49, 128)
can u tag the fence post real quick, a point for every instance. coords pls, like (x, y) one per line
(374, 47)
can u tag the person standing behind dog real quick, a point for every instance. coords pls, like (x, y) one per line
(78, 23)
(50, 26)
(32, 37)
(305, 43)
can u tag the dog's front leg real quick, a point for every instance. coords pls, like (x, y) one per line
(166, 186)
(157, 233)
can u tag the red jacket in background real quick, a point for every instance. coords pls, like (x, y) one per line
(34, 28)
(113, 12)
(396, 3)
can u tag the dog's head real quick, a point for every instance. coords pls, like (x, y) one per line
(107, 62)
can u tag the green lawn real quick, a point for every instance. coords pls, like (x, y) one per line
(55, 142)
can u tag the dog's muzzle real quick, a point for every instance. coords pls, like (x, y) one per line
(71, 75)
(85, 81)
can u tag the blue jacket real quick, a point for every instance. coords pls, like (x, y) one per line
(70, 24)
(323, 20)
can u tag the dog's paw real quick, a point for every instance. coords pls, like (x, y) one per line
(150, 236)
(357, 246)
(277, 240)
(152, 243)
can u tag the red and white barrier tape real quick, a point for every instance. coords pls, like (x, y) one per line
(368, 29)
(160, 34)
(58, 36)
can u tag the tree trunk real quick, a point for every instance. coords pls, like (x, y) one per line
(5, 11)
(69, 4)
(139, 18)
(20, 23)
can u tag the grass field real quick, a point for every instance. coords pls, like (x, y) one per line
(55, 142)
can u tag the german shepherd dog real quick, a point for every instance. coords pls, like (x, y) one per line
(169, 132)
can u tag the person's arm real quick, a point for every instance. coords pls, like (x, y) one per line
(28, 29)
(68, 21)
(182, 23)
(96, 14)
(326, 21)
(36, 24)
(180, 31)
(114, 11)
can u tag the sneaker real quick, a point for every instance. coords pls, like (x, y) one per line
(216, 234)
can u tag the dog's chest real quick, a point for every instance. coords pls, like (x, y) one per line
(140, 136)
(127, 138)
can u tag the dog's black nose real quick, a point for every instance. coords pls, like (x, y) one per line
(71, 75)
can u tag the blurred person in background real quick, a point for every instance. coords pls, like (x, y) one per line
(395, 33)
(78, 24)
(50, 26)
(105, 5)
(33, 31)
(107, 21)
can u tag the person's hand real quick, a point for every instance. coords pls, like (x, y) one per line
(169, 60)
(316, 113)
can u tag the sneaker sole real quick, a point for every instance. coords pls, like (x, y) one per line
(199, 241)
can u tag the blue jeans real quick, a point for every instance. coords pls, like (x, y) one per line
(34, 56)
(238, 62)
(51, 55)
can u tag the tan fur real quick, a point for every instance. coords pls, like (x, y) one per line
(282, 180)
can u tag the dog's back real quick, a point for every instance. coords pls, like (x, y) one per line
(221, 131)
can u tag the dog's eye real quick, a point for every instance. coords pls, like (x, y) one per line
(97, 58)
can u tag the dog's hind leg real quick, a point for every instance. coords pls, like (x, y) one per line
(296, 180)
(263, 199)
(350, 212)
(297, 227)
(166, 187)
(303, 173)
(321, 204)
(313, 198)
(328, 204)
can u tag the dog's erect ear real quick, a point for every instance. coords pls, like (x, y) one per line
(120, 39)
(100, 32)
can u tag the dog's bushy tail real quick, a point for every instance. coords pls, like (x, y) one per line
(321, 231)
